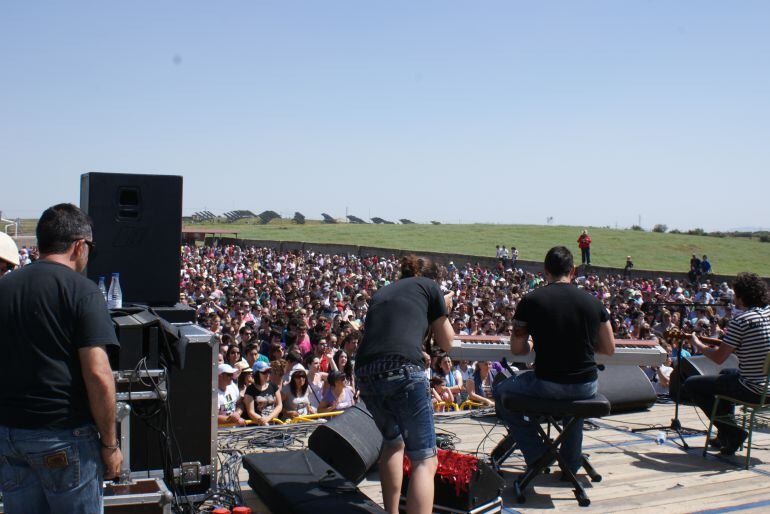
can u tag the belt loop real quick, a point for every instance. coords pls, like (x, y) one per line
(407, 373)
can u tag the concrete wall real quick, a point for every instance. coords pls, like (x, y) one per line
(443, 258)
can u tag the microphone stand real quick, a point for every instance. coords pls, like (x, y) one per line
(676, 425)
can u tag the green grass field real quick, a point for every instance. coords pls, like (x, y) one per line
(651, 251)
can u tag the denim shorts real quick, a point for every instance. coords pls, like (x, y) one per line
(400, 403)
(51, 471)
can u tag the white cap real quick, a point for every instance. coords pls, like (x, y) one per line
(226, 368)
(297, 368)
(9, 252)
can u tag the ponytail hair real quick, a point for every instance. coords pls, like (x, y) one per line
(417, 266)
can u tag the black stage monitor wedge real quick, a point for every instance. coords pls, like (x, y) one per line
(299, 482)
(137, 232)
(350, 442)
(627, 388)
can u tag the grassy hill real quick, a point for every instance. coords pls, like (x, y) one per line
(652, 251)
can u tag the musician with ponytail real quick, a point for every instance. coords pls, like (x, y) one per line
(392, 379)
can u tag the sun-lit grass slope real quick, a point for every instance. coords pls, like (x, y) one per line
(651, 251)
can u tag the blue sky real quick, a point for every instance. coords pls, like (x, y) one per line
(593, 112)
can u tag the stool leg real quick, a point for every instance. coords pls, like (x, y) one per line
(551, 453)
(580, 494)
(503, 450)
(595, 477)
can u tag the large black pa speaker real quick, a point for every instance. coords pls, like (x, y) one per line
(627, 388)
(350, 443)
(300, 482)
(192, 407)
(696, 366)
(137, 231)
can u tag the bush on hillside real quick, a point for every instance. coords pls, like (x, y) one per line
(660, 228)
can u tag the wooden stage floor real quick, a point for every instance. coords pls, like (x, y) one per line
(638, 474)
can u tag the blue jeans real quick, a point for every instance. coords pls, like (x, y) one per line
(401, 408)
(585, 255)
(51, 471)
(525, 432)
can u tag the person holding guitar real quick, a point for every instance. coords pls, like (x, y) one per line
(748, 336)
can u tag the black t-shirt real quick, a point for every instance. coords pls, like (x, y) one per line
(398, 318)
(564, 323)
(264, 400)
(47, 312)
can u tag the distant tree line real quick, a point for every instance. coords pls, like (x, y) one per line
(762, 235)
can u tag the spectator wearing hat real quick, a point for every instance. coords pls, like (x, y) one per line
(703, 295)
(9, 254)
(262, 403)
(245, 377)
(338, 396)
(296, 394)
(228, 397)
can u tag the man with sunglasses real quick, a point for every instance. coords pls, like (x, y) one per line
(57, 394)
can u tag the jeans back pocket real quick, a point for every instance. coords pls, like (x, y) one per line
(58, 469)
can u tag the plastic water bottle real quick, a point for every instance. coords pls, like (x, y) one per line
(115, 294)
(103, 288)
(660, 437)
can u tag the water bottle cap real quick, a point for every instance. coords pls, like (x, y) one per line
(116, 274)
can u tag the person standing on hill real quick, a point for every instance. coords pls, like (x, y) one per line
(584, 243)
(629, 266)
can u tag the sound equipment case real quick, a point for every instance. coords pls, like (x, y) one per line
(192, 397)
(194, 419)
(144, 496)
(483, 492)
(147, 496)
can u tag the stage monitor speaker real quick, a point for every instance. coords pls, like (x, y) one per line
(350, 443)
(627, 388)
(300, 482)
(696, 366)
(137, 229)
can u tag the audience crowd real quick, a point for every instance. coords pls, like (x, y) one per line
(288, 324)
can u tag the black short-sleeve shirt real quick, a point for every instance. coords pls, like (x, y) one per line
(47, 312)
(398, 318)
(564, 324)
